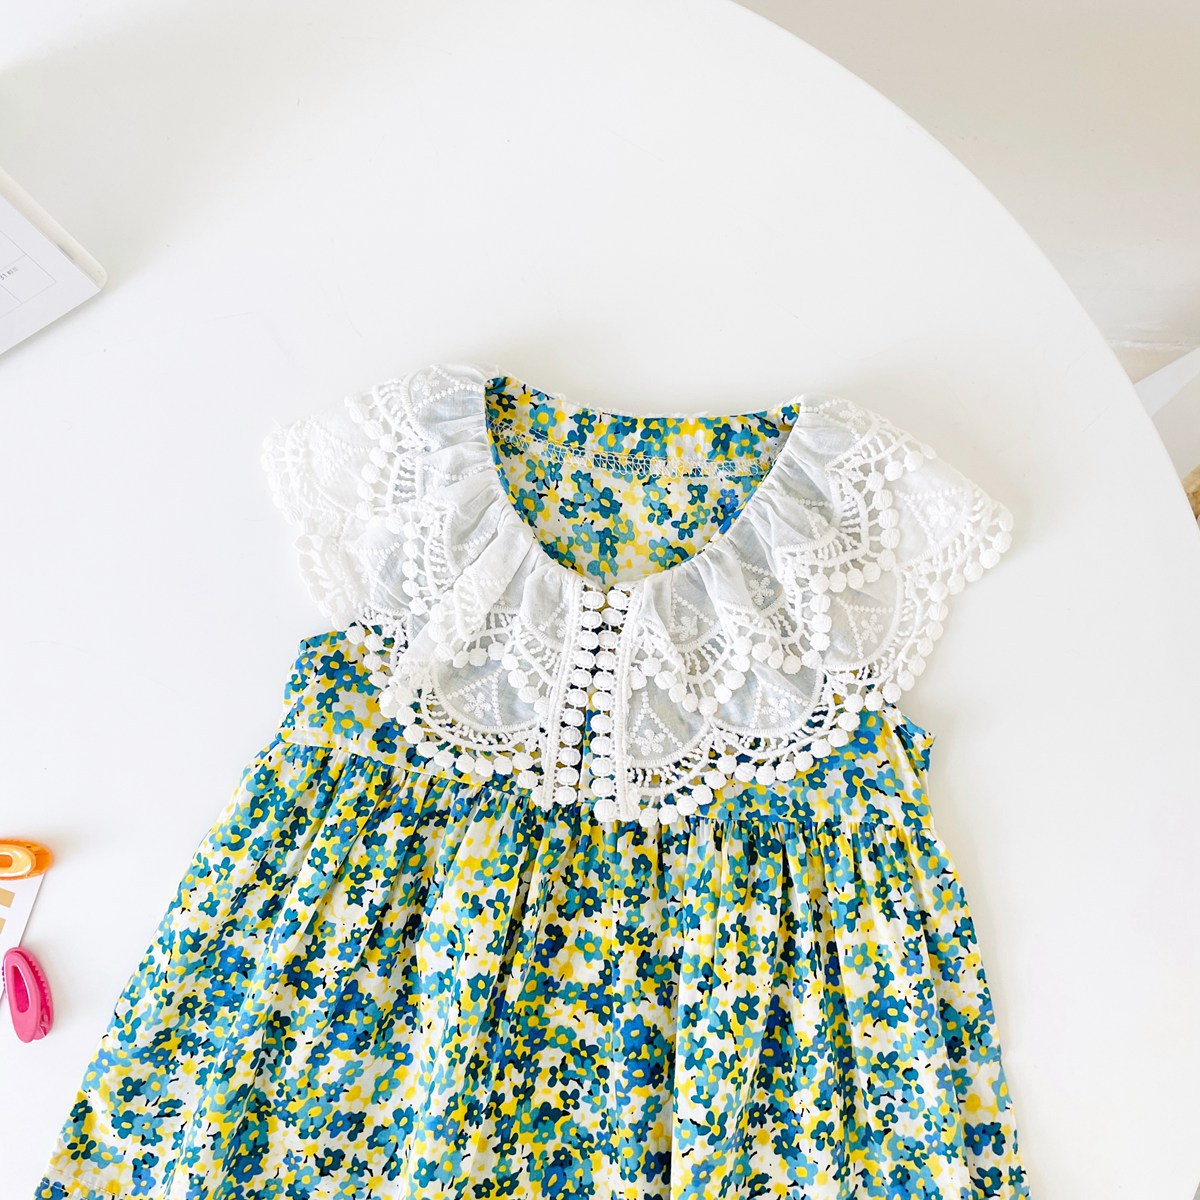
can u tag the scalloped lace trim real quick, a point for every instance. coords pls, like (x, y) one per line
(744, 663)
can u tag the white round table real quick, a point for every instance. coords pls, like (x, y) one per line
(658, 208)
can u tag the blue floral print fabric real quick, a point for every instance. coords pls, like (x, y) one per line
(378, 981)
(616, 496)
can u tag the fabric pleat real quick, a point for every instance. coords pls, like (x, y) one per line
(377, 983)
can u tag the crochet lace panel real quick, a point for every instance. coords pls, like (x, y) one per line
(746, 661)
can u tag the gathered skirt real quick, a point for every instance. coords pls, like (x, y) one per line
(375, 981)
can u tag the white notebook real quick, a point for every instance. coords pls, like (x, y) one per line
(44, 271)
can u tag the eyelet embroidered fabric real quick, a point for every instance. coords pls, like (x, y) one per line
(745, 662)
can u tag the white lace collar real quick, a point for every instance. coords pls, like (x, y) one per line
(744, 662)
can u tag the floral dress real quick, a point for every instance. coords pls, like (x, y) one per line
(592, 858)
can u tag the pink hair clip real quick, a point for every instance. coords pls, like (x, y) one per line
(29, 1002)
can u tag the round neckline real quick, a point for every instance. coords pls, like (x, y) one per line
(775, 413)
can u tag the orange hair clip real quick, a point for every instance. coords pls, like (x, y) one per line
(20, 859)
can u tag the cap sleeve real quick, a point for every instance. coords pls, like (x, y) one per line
(948, 529)
(923, 529)
(946, 532)
(319, 469)
(349, 476)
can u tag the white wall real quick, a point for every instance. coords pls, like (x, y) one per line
(1082, 119)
